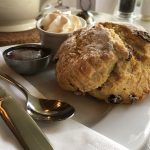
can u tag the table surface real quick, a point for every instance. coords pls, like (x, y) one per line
(32, 36)
(10, 38)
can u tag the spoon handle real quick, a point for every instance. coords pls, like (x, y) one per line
(14, 82)
(21, 124)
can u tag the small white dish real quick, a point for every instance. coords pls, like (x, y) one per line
(54, 40)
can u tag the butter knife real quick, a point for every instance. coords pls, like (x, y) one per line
(23, 126)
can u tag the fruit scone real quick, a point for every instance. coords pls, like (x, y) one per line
(110, 61)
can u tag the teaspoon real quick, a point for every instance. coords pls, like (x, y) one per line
(43, 109)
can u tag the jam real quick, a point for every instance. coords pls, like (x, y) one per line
(25, 54)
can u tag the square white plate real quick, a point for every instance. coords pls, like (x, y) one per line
(128, 125)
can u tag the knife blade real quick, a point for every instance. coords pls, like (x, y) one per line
(22, 125)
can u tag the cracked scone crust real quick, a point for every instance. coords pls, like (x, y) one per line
(109, 61)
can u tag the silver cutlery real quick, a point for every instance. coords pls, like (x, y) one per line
(22, 125)
(43, 109)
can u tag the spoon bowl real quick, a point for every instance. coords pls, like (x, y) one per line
(43, 109)
(56, 117)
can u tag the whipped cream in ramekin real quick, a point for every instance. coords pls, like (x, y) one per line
(59, 22)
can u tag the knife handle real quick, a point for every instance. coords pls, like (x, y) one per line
(23, 126)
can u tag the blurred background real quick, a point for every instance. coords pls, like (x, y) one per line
(19, 17)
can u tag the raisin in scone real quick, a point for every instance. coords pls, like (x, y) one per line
(109, 61)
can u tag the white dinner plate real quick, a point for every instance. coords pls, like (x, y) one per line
(62, 134)
(128, 125)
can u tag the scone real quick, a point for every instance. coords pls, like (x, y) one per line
(109, 61)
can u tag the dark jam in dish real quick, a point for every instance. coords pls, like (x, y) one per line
(25, 54)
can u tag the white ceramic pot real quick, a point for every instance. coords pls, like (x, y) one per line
(54, 40)
(18, 15)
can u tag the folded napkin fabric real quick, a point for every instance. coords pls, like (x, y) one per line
(72, 135)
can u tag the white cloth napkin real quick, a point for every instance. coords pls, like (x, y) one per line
(64, 135)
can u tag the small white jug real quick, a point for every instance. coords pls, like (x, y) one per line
(18, 15)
